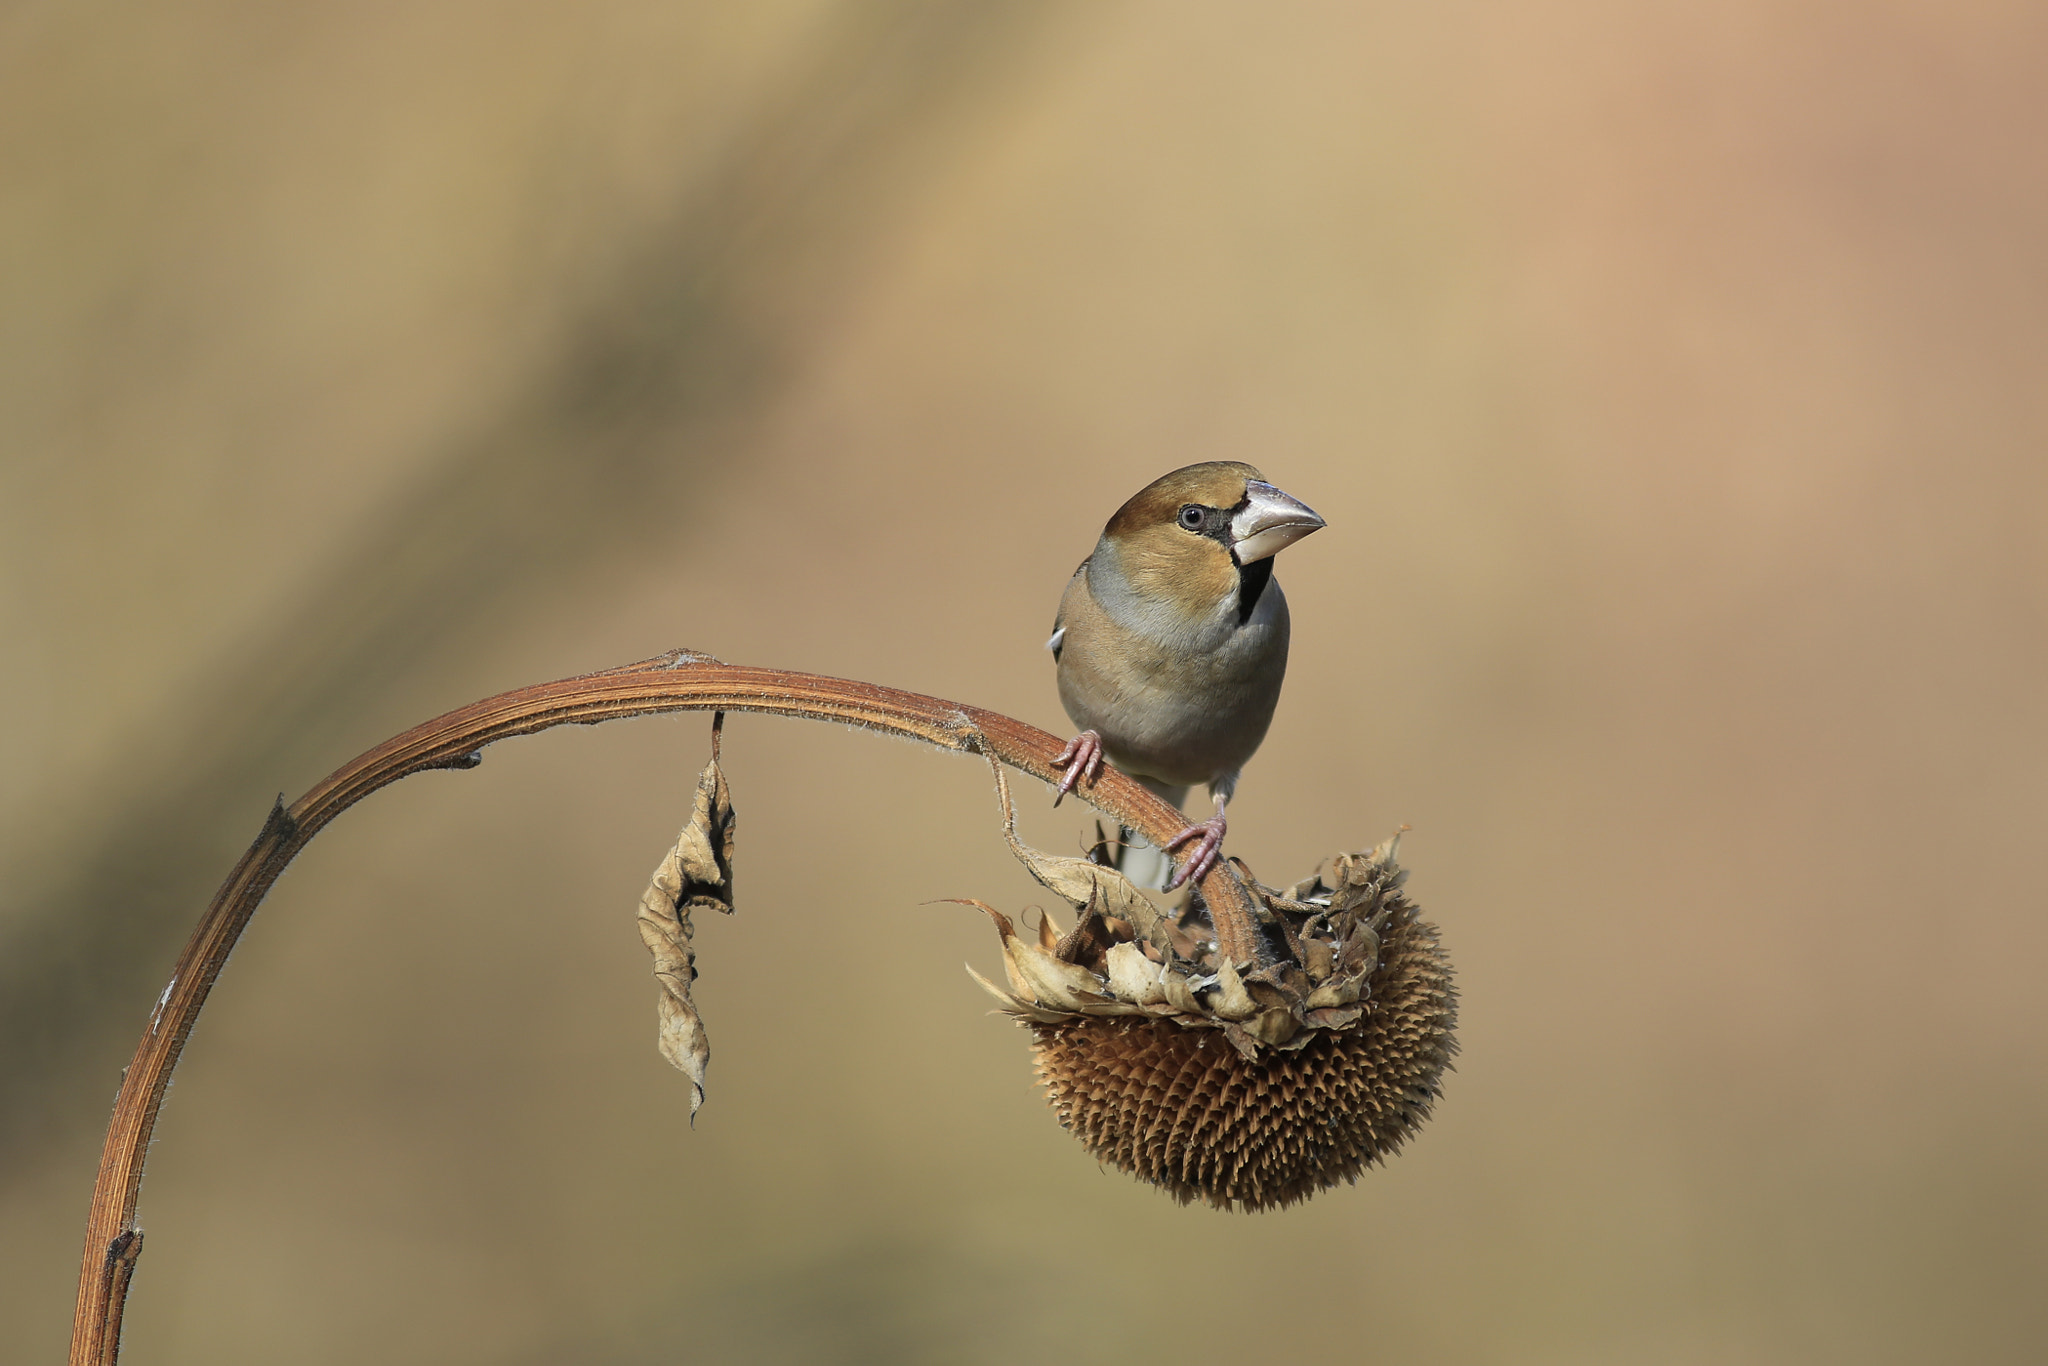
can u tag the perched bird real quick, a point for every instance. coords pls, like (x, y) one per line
(1171, 640)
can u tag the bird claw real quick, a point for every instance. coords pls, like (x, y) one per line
(1083, 754)
(1209, 844)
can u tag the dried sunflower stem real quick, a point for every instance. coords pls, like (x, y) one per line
(678, 681)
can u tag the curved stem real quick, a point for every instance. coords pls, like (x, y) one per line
(678, 681)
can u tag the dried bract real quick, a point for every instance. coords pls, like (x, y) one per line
(695, 875)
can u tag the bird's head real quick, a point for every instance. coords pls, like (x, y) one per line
(1224, 502)
(1192, 534)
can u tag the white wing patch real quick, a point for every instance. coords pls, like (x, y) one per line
(1057, 637)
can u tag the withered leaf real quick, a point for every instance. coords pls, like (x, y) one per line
(1274, 1025)
(694, 875)
(1083, 883)
(1038, 981)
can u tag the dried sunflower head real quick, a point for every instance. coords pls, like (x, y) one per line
(1248, 1087)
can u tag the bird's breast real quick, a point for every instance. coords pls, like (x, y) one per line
(1186, 706)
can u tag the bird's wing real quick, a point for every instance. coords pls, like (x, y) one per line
(1059, 621)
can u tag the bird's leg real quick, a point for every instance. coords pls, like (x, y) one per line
(1208, 841)
(1083, 754)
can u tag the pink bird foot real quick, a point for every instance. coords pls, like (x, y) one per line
(1209, 838)
(1083, 754)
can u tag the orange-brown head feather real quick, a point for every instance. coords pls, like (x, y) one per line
(1216, 484)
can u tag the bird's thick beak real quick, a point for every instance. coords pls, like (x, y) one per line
(1269, 522)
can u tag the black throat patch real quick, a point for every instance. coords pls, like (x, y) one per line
(1251, 584)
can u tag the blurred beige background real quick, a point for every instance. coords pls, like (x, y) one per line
(1670, 376)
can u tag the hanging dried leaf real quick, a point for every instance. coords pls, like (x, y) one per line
(695, 875)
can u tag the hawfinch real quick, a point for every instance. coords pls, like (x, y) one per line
(1171, 640)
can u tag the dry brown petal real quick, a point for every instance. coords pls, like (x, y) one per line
(1360, 951)
(1278, 984)
(1273, 1026)
(1135, 977)
(1022, 1010)
(1338, 993)
(1049, 981)
(1092, 937)
(1048, 933)
(696, 874)
(1232, 1001)
(1180, 994)
(1038, 980)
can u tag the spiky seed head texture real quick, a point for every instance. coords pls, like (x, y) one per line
(1185, 1110)
(1248, 1090)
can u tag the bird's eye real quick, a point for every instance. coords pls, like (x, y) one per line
(1192, 517)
